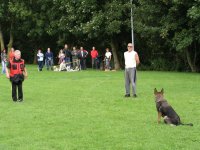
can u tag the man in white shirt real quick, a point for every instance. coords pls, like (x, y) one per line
(131, 61)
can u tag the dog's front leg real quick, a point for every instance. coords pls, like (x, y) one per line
(159, 116)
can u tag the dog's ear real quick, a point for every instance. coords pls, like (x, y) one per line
(155, 91)
(162, 91)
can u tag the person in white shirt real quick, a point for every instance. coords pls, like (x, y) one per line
(131, 61)
(40, 59)
(107, 59)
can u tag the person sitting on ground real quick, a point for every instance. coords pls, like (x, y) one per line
(63, 66)
(61, 56)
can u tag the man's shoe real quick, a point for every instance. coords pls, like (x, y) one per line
(135, 95)
(127, 95)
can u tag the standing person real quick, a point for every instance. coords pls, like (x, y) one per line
(3, 61)
(67, 53)
(131, 61)
(82, 54)
(40, 59)
(16, 75)
(107, 59)
(94, 56)
(11, 54)
(75, 59)
(49, 59)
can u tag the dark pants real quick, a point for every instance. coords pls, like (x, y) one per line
(94, 63)
(40, 65)
(83, 63)
(16, 86)
(67, 61)
(49, 64)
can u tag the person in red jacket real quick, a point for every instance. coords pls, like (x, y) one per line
(16, 72)
(11, 53)
(94, 56)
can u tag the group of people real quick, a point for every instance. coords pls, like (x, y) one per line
(73, 59)
(15, 69)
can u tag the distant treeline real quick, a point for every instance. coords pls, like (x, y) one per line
(166, 32)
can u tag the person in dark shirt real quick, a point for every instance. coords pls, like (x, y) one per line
(49, 59)
(82, 55)
(67, 53)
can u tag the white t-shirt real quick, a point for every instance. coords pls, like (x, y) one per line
(129, 57)
(40, 56)
(108, 54)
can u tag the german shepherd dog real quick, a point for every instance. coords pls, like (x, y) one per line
(166, 111)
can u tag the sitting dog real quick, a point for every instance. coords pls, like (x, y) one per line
(166, 111)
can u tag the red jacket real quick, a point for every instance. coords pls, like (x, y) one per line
(94, 53)
(16, 67)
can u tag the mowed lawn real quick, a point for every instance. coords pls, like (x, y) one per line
(87, 110)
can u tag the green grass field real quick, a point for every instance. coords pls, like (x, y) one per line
(87, 110)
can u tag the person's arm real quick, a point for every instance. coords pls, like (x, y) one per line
(137, 59)
(7, 70)
(86, 53)
(25, 72)
(7, 73)
(97, 54)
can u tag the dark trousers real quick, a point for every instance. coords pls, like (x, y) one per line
(94, 63)
(83, 63)
(40, 65)
(15, 87)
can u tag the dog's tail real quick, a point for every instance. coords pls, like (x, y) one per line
(187, 124)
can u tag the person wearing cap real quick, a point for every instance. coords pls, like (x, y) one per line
(131, 61)
(16, 71)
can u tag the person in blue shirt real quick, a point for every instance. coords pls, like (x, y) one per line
(49, 59)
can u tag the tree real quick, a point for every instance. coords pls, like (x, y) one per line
(175, 22)
(12, 14)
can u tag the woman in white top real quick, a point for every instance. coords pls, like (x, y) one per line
(40, 59)
(107, 59)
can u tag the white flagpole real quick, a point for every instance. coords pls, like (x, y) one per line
(132, 33)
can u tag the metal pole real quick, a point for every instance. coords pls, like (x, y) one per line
(132, 33)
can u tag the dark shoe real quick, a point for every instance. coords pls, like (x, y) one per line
(14, 99)
(135, 95)
(127, 95)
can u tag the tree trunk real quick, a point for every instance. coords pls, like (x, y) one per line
(114, 47)
(189, 60)
(35, 57)
(1, 40)
(10, 44)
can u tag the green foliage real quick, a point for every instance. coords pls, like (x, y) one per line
(159, 26)
(182, 40)
(19, 10)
